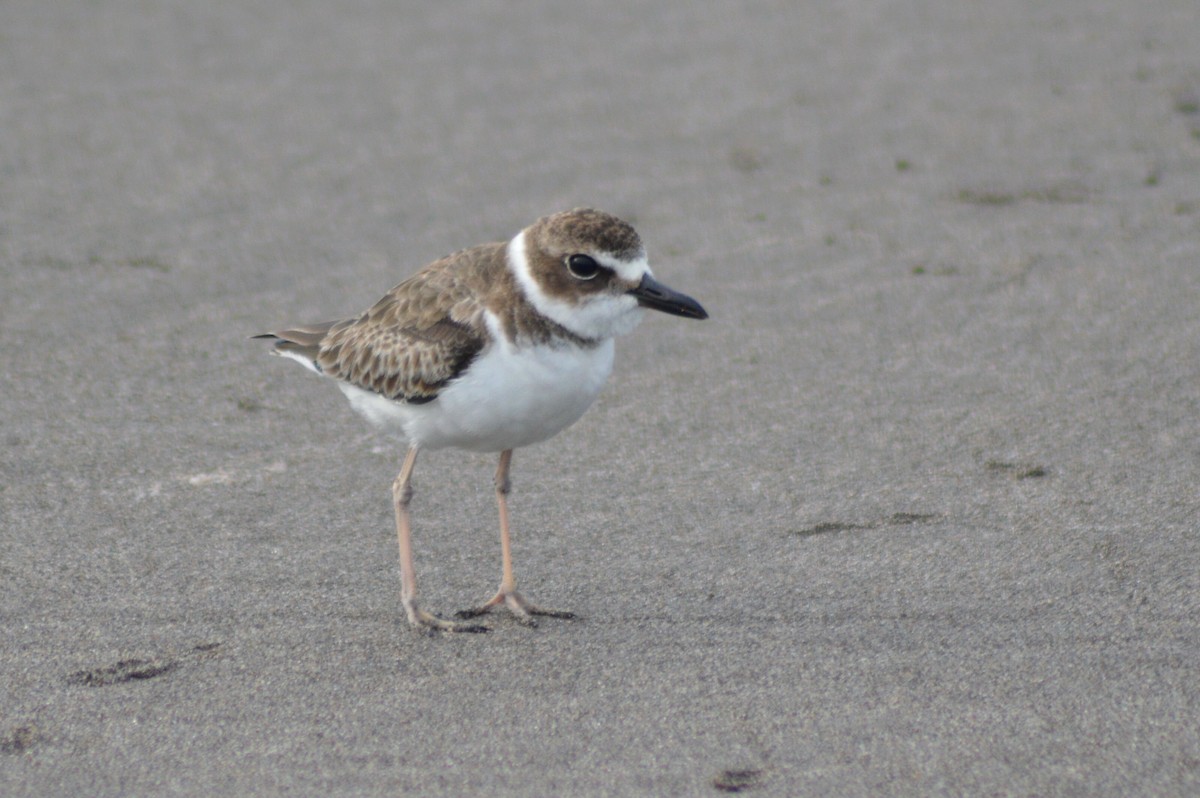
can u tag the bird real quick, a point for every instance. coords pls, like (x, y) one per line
(490, 349)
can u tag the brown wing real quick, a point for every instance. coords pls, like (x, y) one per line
(419, 336)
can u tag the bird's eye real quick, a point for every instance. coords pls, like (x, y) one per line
(582, 267)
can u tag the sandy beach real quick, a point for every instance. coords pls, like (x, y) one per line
(915, 512)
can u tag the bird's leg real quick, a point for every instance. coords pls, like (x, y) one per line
(507, 595)
(401, 495)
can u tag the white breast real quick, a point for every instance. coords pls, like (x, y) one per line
(509, 397)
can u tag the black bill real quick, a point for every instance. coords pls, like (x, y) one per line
(651, 293)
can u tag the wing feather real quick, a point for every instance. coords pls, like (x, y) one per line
(417, 338)
(413, 341)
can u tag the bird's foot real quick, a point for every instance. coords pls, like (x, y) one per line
(523, 609)
(431, 624)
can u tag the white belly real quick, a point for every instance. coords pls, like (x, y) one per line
(507, 398)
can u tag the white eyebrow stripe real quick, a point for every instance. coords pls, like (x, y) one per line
(628, 270)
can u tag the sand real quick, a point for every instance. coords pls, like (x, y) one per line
(914, 513)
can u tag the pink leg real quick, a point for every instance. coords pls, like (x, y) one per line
(507, 595)
(401, 495)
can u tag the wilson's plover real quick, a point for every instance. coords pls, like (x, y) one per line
(489, 349)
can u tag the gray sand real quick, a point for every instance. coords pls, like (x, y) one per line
(915, 512)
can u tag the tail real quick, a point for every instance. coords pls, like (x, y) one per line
(301, 344)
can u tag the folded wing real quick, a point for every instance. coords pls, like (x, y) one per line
(416, 339)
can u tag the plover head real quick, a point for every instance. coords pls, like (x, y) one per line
(587, 270)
